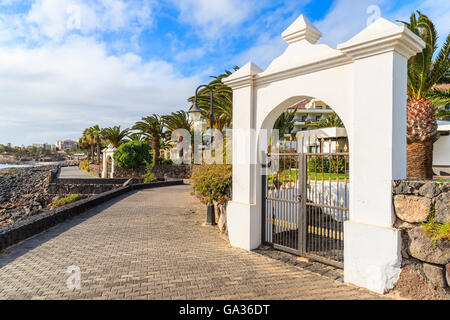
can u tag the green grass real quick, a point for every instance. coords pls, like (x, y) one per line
(67, 200)
(291, 175)
(435, 230)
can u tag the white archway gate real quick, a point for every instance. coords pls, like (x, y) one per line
(108, 153)
(364, 81)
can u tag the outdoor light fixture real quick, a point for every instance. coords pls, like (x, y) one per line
(196, 111)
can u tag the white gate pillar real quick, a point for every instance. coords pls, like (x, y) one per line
(372, 257)
(105, 164)
(108, 153)
(244, 211)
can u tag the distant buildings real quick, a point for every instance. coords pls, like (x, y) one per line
(309, 110)
(66, 144)
(45, 146)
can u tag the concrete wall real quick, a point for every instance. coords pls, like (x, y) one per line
(441, 151)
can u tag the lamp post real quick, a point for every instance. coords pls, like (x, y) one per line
(196, 112)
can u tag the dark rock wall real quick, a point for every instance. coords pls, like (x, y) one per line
(428, 260)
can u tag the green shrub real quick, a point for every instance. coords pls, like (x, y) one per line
(213, 182)
(133, 154)
(167, 162)
(149, 176)
(318, 163)
(67, 200)
(84, 166)
(435, 230)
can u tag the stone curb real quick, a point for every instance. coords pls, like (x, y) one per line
(21, 230)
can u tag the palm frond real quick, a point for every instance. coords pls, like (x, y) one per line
(439, 97)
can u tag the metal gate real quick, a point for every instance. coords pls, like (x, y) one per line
(305, 198)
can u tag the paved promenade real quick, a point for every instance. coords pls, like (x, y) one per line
(151, 245)
(73, 173)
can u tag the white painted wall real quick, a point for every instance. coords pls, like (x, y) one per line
(364, 81)
(441, 151)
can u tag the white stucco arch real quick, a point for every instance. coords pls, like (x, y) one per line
(364, 81)
(108, 153)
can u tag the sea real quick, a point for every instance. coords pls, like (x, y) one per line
(6, 166)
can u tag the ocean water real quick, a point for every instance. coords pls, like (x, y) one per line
(6, 166)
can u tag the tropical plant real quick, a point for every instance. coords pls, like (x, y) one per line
(423, 73)
(132, 154)
(332, 120)
(96, 134)
(149, 176)
(443, 115)
(84, 144)
(115, 135)
(89, 140)
(153, 128)
(213, 182)
(137, 136)
(285, 122)
(223, 102)
(439, 97)
(178, 120)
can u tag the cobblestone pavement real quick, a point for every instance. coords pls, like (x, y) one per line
(151, 244)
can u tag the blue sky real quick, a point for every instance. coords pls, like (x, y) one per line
(69, 64)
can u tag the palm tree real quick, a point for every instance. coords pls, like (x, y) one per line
(178, 120)
(88, 138)
(96, 135)
(439, 97)
(153, 128)
(331, 121)
(137, 136)
(84, 144)
(223, 101)
(285, 122)
(423, 73)
(115, 135)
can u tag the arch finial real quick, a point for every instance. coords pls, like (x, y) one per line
(301, 29)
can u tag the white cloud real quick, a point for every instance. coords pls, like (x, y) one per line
(54, 91)
(345, 19)
(348, 17)
(54, 20)
(214, 17)
(263, 52)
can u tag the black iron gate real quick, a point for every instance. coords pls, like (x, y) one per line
(305, 198)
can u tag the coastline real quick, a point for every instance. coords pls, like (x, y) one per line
(23, 192)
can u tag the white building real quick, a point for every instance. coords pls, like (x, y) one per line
(309, 110)
(66, 144)
(441, 150)
(45, 146)
(334, 140)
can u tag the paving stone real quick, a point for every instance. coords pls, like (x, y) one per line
(151, 245)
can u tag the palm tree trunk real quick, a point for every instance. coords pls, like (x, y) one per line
(98, 158)
(156, 153)
(98, 153)
(420, 160)
(92, 153)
